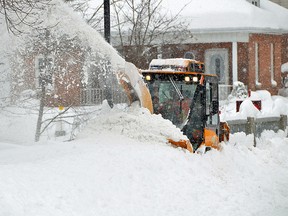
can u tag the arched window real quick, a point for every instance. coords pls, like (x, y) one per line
(189, 55)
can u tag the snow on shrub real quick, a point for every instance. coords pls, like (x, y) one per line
(239, 90)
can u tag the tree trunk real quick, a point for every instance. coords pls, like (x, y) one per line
(40, 115)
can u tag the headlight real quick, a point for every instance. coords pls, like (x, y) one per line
(187, 79)
(195, 79)
(148, 77)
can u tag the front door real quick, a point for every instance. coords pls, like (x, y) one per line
(216, 61)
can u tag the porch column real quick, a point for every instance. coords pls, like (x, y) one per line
(234, 62)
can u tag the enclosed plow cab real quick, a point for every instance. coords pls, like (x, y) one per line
(181, 92)
(184, 94)
(136, 89)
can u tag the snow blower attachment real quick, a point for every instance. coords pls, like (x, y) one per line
(180, 91)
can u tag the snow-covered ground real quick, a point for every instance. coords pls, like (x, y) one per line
(120, 164)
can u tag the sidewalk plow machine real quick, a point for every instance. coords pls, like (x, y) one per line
(182, 92)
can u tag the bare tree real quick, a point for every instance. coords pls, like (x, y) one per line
(20, 13)
(142, 25)
(87, 10)
(91, 11)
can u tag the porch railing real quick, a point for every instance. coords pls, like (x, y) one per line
(94, 96)
(91, 96)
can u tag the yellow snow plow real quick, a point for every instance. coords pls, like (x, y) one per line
(180, 91)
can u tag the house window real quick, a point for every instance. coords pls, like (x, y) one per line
(255, 2)
(273, 82)
(258, 84)
(44, 70)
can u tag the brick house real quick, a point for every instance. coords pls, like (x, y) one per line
(62, 74)
(256, 61)
(73, 59)
(243, 41)
(72, 72)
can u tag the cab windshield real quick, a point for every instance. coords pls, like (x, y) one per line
(172, 99)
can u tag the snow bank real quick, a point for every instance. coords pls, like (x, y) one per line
(135, 123)
(120, 164)
(18, 125)
(247, 109)
(116, 175)
(280, 106)
(270, 106)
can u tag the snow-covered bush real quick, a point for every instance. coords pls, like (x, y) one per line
(239, 91)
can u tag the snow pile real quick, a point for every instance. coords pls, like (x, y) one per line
(111, 174)
(247, 109)
(17, 126)
(120, 164)
(133, 122)
(270, 106)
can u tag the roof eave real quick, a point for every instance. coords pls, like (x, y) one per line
(241, 29)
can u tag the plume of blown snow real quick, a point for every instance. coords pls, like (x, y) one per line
(63, 20)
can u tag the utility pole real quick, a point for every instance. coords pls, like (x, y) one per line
(107, 20)
(108, 93)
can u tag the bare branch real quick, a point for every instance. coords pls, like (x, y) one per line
(55, 117)
(18, 14)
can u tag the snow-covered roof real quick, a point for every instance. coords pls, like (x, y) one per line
(235, 15)
(175, 61)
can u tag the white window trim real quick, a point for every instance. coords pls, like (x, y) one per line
(235, 61)
(258, 84)
(272, 72)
